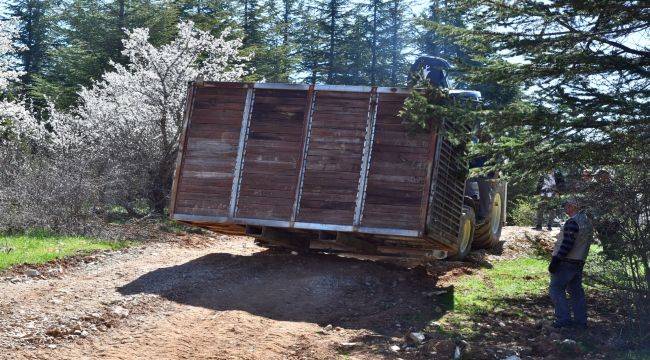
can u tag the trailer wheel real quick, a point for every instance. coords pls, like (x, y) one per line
(466, 233)
(487, 233)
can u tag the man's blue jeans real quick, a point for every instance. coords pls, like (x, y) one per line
(568, 278)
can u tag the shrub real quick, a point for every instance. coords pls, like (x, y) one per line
(523, 212)
(620, 208)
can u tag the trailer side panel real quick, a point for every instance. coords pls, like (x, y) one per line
(205, 174)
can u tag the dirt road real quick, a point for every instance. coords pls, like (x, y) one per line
(214, 297)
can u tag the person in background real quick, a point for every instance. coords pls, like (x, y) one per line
(547, 188)
(566, 266)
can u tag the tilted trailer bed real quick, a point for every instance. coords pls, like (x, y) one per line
(322, 166)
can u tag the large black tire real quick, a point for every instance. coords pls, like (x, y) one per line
(465, 234)
(488, 231)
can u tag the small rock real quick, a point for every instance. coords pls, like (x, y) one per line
(56, 301)
(512, 357)
(395, 348)
(349, 344)
(32, 273)
(294, 253)
(329, 327)
(568, 346)
(416, 337)
(83, 333)
(119, 311)
(502, 324)
(51, 346)
(14, 280)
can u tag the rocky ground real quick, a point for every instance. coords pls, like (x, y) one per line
(222, 297)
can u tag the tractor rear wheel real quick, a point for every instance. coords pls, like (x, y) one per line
(489, 230)
(466, 233)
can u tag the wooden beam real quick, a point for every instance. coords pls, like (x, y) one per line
(180, 157)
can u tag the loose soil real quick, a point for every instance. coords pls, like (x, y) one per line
(222, 297)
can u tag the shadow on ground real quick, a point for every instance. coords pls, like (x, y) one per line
(320, 289)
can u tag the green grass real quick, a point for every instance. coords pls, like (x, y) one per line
(41, 247)
(486, 291)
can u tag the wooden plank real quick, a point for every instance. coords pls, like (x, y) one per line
(327, 196)
(225, 168)
(269, 212)
(180, 157)
(201, 190)
(210, 145)
(208, 161)
(333, 166)
(338, 176)
(357, 147)
(206, 182)
(325, 216)
(262, 135)
(219, 195)
(194, 210)
(216, 204)
(250, 200)
(278, 117)
(342, 95)
(207, 175)
(328, 133)
(330, 188)
(392, 196)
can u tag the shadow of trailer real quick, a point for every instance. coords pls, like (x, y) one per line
(328, 167)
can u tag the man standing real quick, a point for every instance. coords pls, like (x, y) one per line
(547, 187)
(566, 266)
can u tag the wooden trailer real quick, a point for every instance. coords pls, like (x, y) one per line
(328, 167)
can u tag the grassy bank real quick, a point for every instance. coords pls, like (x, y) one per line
(41, 247)
(491, 289)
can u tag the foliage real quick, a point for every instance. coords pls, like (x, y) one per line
(429, 108)
(584, 70)
(523, 212)
(118, 146)
(129, 122)
(87, 37)
(16, 121)
(8, 34)
(586, 78)
(620, 207)
(38, 247)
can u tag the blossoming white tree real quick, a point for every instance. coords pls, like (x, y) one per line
(15, 120)
(132, 117)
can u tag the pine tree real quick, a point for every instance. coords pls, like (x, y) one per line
(356, 52)
(35, 19)
(333, 22)
(311, 47)
(209, 15)
(433, 42)
(586, 75)
(89, 36)
(395, 41)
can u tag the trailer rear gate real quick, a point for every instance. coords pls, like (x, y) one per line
(333, 158)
